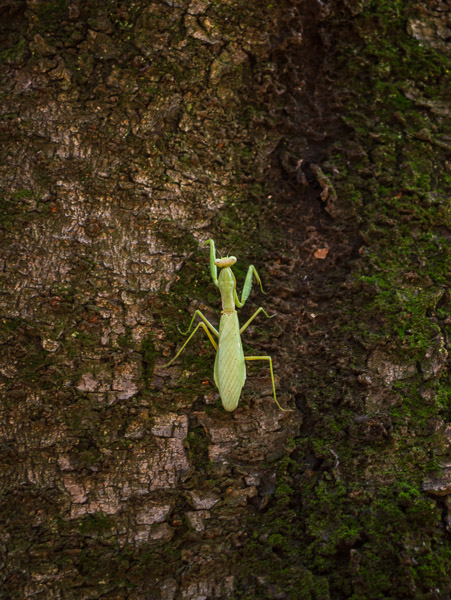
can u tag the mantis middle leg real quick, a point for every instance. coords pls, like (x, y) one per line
(259, 310)
(207, 331)
(268, 358)
(204, 319)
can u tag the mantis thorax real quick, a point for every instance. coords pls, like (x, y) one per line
(227, 285)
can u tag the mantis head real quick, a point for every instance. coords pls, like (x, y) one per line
(228, 261)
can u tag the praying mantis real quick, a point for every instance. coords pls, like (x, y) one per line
(230, 367)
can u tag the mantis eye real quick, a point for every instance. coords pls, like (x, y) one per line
(228, 261)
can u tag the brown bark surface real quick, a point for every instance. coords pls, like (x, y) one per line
(131, 133)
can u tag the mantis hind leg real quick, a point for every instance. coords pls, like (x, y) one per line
(268, 358)
(259, 310)
(204, 327)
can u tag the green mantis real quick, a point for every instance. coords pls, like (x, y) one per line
(230, 367)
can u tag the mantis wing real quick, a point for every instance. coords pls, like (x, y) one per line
(230, 368)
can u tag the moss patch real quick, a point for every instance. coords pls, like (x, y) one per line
(349, 517)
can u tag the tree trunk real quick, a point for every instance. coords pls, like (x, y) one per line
(305, 137)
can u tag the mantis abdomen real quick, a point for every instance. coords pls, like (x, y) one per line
(230, 368)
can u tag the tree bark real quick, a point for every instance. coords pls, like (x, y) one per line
(306, 138)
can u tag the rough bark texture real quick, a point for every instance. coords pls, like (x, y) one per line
(308, 137)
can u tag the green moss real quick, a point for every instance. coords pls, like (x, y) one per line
(15, 53)
(198, 443)
(52, 12)
(22, 193)
(12, 213)
(362, 543)
(360, 525)
(99, 523)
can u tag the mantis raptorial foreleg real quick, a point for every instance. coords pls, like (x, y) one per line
(213, 267)
(248, 286)
(207, 331)
(259, 310)
(252, 271)
(268, 358)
